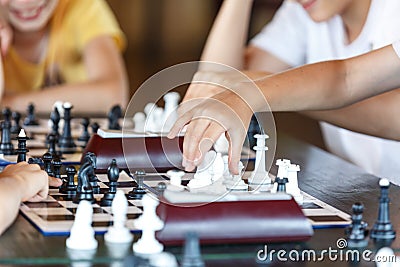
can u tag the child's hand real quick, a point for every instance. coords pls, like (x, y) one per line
(33, 183)
(6, 35)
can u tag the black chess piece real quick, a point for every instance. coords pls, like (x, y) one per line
(22, 150)
(52, 143)
(191, 251)
(95, 127)
(281, 184)
(68, 187)
(113, 117)
(47, 159)
(85, 136)
(91, 174)
(31, 117)
(161, 187)
(55, 120)
(16, 126)
(37, 161)
(57, 164)
(113, 175)
(138, 191)
(66, 142)
(84, 190)
(357, 231)
(6, 147)
(254, 128)
(382, 231)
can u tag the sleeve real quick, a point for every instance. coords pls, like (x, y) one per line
(396, 47)
(286, 35)
(96, 19)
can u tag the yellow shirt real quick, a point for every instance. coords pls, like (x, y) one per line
(73, 25)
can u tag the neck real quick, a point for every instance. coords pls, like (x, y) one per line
(354, 18)
(24, 37)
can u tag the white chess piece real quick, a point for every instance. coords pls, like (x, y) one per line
(283, 165)
(237, 183)
(170, 114)
(149, 223)
(226, 175)
(175, 178)
(292, 186)
(222, 145)
(260, 175)
(82, 233)
(218, 167)
(151, 120)
(385, 257)
(204, 172)
(119, 233)
(139, 120)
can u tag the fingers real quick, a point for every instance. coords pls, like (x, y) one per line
(179, 124)
(236, 140)
(54, 181)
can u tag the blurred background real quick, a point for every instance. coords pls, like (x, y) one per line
(162, 33)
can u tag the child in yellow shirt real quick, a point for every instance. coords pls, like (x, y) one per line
(66, 50)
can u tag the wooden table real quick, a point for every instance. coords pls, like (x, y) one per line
(322, 175)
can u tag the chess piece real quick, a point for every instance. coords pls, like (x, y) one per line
(170, 113)
(149, 223)
(55, 119)
(66, 142)
(113, 175)
(118, 232)
(254, 128)
(16, 127)
(139, 120)
(191, 251)
(57, 164)
(153, 115)
(52, 140)
(139, 191)
(95, 127)
(82, 233)
(68, 187)
(292, 187)
(260, 175)
(382, 231)
(22, 150)
(113, 117)
(237, 183)
(47, 160)
(175, 179)
(6, 147)
(84, 190)
(203, 177)
(85, 136)
(281, 182)
(218, 167)
(357, 231)
(222, 145)
(31, 117)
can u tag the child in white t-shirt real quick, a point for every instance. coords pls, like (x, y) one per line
(309, 31)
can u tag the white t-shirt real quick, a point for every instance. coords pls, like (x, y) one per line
(396, 47)
(294, 38)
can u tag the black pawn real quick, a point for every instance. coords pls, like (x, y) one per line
(85, 133)
(357, 231)
(113, 175)
(57, 164)
(16, 127)
(66, 142)
(281, 184)
(31, 117)
(95, 127)
(191, 252)
(68, 187)
(139, 191)
(113, 117)
(55, 120)
(382, 231)
(47, 158)
(22, 150)
(52, 142)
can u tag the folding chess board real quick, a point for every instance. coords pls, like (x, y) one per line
(56, 214)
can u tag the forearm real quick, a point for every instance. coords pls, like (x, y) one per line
(375, 116)
(227, 38)
(10, 199)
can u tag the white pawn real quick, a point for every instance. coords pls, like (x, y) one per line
(149, 223)
(119, 233)
(175, 178)
(204, 172)
(139, 120)
(170, 114)
(292, 186)
(237, 182)
(260, 176)
(82, 233)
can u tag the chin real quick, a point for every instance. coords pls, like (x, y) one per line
(28, 27)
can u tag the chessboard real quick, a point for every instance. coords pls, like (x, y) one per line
(56, 214)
